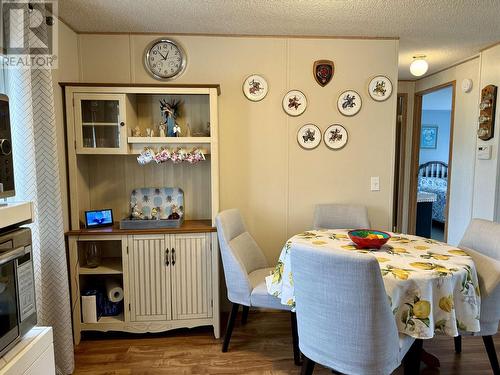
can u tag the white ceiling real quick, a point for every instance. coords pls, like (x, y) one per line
(447, 31)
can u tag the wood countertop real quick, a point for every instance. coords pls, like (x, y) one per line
(189, 226)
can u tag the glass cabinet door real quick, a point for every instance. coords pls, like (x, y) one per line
(100, 123)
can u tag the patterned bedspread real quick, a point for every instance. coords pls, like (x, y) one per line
(439, 187)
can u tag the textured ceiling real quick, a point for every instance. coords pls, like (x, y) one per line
(447, 31)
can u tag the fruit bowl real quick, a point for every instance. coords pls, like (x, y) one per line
(368, 239)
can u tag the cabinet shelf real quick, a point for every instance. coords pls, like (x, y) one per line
(99, 124)
(109, 266)
(111, 319)
(169, 140)
(105, 323)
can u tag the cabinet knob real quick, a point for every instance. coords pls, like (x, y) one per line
(166, 257)
(122, 123)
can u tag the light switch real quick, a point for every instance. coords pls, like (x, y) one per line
(375, 183)
(484, 152)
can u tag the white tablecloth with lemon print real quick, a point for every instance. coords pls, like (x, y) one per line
(431, 286)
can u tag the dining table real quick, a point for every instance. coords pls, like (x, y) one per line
(432, 287)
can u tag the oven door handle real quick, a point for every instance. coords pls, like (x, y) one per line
(12, 254)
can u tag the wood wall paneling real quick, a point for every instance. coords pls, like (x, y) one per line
(113, 177)
(263, 171)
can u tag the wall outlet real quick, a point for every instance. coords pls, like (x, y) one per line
(375, 183)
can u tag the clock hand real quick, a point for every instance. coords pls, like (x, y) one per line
(164, 58)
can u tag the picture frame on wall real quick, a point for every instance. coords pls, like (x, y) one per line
(294, 103)
(349, 103)
(429, 136)
(309, 136)
(255, 87)
(380, 88)
(335, 137)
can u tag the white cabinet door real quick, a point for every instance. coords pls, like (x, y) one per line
(100, 123)
(191, 276)
(149, 278)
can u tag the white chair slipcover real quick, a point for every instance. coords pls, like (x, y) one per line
(245, 269)
(482, 242)
(245, 266)
(340, 216)
(343, 313)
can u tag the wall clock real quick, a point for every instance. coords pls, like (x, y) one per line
(164, 59)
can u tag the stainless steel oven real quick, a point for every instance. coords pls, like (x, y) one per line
(17, 287)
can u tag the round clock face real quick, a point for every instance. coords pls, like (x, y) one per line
(165, 59)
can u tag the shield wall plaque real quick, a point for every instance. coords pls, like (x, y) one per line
(323, 71)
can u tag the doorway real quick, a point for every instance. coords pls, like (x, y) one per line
(399, 163)
(432, 148)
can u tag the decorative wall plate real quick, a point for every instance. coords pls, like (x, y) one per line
(323, 71)
(335, 137)
(255, 87)
(349, 103)
(309, 136)
(294, 103)
(380, 88)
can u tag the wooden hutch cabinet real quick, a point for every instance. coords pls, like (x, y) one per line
(170, 277)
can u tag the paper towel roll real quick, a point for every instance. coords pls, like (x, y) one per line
(114, 291)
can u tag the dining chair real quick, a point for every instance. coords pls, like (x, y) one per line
(482, 241)
(245, 269)
(344, 317)
(340, 216)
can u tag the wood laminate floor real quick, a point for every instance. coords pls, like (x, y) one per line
(263, 346)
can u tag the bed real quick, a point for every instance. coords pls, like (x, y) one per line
(433, 178)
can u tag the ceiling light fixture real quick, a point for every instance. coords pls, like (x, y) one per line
(419, 66)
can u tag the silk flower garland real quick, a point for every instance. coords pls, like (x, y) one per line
(164, 154)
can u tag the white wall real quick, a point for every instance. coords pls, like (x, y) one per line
(464, 143)
(68, 70)
(263, 171)
(407, 87)
(441, 119)
(486, 184)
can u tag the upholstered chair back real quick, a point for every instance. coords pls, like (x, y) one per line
(343, 312)
(336, 216)
(240, 255)
(483, 237)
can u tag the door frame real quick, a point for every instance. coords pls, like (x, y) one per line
(400, 174)
(415, 155)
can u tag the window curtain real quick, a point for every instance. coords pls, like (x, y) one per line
(36, 170)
